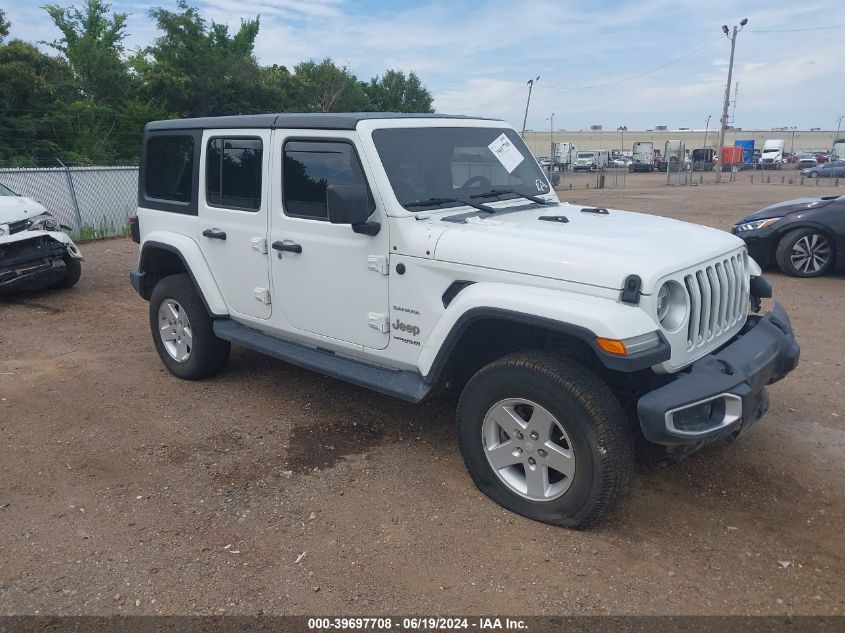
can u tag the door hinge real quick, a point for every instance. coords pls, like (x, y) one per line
(259, 244)
(263, 295)
(378, 322)
(378, 263)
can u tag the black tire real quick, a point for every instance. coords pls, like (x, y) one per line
(598, 432)
(788, 242)
(813, 174)
(74, 272)
(208, 354)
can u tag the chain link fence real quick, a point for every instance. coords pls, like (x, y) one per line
(95, 202)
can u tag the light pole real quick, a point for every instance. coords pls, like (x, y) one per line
(731, 35)
(706, 130)
(528, 103)
(623, 129)
(792, 142)
(836, 137)
(551, 120)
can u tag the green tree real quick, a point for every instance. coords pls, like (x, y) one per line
(326, 87)
(195, 69)
(92, 42)
(394, 92)
(279, 91)
(4, 26)
(31, 83)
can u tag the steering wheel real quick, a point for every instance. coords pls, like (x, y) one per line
(477, 182)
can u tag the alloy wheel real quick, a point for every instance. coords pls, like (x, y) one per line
(528, 449)
(175, 330)
(810, 254)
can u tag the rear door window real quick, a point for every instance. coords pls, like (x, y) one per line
(233, 173)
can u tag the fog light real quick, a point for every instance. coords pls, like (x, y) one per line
(705, 416)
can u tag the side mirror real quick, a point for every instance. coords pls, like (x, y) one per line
(347, 204)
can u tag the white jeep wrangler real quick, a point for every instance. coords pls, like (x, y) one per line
(426, 255)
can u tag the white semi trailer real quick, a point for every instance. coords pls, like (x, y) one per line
(643, 157)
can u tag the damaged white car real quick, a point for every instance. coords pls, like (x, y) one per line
(35, 252)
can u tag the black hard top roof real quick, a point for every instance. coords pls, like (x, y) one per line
(312, 121)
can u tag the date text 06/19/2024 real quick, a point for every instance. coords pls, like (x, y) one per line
(417, 624)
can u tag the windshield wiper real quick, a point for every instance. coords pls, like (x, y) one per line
(501, 192)
(436, 202)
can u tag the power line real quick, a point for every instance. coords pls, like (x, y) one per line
(812, 28)
(610, 83)
(481, 105)
(638, 75)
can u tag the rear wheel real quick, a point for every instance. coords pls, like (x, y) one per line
(545, 438)
(805, 253)
(183, 332)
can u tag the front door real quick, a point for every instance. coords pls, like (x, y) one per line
(327, 279)
(234, 197)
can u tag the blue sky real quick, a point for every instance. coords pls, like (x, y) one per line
(477, 56)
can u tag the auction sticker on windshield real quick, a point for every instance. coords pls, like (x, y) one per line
(506, 153)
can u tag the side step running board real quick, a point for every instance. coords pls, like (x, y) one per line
(406, 385)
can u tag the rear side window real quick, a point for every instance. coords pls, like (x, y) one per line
(169, 168)
(233, 173)
(309, 168)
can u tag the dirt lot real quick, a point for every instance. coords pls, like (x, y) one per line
(124, 489)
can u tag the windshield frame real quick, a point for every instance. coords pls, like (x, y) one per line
(392, 203)
(7, 192)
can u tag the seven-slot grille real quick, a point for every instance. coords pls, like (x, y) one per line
(718, 295)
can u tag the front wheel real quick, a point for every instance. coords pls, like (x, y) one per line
(813, 174)
(805, 253)
(183, 332)
(544, 437)
(73, 266)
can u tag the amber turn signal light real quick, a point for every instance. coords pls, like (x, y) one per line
(612, 346)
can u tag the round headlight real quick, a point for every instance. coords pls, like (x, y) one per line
(663, 296)
(671, 305)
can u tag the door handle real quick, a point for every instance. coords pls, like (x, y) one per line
(214, 234)
(288, 246)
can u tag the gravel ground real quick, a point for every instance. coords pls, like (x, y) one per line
(272, 489)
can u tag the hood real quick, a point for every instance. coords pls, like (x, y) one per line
(596, 249)
(782, 209)
(14, 208)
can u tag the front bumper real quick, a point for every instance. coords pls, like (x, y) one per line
(723, 393)
(32, 261)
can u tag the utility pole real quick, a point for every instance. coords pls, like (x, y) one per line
(732, 37)
(531, 83)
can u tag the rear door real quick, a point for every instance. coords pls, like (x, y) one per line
(234, 197)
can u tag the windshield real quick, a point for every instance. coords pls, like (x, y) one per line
(772, 149)
(5, 191)
(585, 154)
(427, 163)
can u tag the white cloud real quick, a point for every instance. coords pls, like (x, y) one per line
(477, 56)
